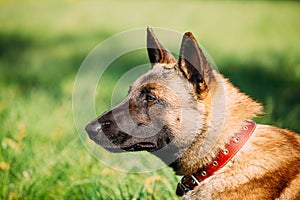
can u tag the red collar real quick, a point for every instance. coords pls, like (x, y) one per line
(188, 182)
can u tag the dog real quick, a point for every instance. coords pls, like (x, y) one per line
(198, 123)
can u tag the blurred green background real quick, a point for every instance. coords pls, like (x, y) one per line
(42, 44)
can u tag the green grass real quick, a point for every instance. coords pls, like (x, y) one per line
(255, 44)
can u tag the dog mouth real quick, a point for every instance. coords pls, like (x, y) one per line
(141, 146)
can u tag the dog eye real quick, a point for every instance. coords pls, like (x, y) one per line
(150, 98)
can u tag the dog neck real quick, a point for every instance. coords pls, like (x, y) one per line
(188, 182)
(227, 112)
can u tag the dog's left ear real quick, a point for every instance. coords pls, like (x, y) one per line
(156, 52)
(193, 63)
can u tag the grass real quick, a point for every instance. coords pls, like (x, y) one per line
(255, 44)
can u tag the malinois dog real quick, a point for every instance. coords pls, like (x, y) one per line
(197, 122)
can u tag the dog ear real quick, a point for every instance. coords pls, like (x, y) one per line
(193, 63)
(156, 52)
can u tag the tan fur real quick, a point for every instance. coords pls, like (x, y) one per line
(238, 108)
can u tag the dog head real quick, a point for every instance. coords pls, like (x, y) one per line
(166, 108)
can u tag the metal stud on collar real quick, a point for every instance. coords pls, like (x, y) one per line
(226, 151)
(215, 163)
(236, 140)
(203, 173)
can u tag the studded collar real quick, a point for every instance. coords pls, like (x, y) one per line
(189, 182)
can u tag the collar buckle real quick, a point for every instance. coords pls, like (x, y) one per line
(186, 184)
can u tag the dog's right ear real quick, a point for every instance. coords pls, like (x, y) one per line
(156, 52)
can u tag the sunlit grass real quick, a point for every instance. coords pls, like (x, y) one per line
(42, 46)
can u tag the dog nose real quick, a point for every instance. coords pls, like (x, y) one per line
(93, 128)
